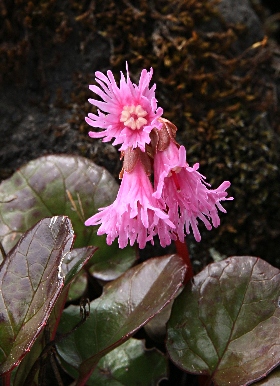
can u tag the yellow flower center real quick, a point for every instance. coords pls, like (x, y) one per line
(133, 117)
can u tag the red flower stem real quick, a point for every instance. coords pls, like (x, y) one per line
(7, 379)
(182, 250)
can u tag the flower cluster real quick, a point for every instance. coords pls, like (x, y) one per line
(179, 196)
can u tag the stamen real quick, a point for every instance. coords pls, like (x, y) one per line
(130, 123)
(140, 122)
(140, 111)
(124, 116)
(133, 117)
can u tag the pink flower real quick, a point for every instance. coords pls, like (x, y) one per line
(135, 214)
(129, 112)
(185, 192)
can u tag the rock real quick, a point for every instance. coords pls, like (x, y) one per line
(240, 12)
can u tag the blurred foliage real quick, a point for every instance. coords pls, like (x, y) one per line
(218, 90)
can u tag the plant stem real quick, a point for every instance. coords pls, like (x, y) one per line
(182, 250)
(7, 379)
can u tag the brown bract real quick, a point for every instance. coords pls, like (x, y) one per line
(160, 140)
(131, 157)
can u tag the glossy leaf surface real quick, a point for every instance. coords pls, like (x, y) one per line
(129, 364)
(125, 305)
(30, 282)
(63, 185)
(78, 287)
(71, 267)
(226, 323)
(156, 328)
(110, 265)
(75, 260)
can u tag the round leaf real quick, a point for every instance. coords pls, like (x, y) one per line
(125, 305)
(130, 364)
(30, 283)
(63, 185)
(226, 323)
(126, 365)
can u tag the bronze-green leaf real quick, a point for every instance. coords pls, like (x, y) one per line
(30, 282)
(63, 185)
(72, 264)
(125, 305)
(127, 365)
(226, 322)
(75, 260)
